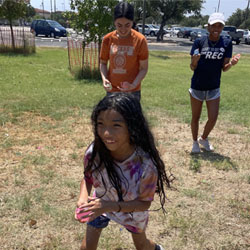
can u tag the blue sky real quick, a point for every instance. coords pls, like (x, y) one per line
(226, 6)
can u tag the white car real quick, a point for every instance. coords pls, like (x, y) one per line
(149, 29)
(246, 36)
(174, 31)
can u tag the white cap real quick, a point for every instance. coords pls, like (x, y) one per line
(216, 18)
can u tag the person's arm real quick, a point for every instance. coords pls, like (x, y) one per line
(85, 190)
(146, 193)
(228, 64)
(104, 73)
(143, 69)
(194, 61)
(99, 206)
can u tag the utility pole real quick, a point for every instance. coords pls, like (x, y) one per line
(218, 6)
(51, 10)
(43, 9)
(54, 6)
(247, 10)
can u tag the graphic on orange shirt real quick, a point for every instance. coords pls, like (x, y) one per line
(120, 52)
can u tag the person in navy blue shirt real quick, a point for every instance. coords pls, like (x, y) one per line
(209, 56)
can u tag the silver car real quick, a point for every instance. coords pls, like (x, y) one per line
(246, 36)
(149, 29)
(197, 33)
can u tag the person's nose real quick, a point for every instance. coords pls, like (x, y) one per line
(123, 28)
(107, 132)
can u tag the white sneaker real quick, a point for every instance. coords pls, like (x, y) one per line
(195, 148)
(205, 143)
(159, 247)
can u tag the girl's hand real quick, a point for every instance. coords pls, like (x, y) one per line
(79, 204)
(107, 85)
(235, 59)
(96, 206)
(126, 87)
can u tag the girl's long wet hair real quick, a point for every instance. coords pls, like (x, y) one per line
(140, 136)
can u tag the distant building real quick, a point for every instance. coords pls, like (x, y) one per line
(42, 13)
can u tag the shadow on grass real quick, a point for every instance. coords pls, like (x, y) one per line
(160, 56)
(185, 43)
(16, 54)
(218, 161)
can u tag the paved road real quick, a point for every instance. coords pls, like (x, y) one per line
(184, 45)
(169, 43)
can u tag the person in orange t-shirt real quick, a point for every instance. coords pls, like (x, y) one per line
(126, 51)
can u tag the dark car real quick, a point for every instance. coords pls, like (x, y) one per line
(236, 35)
(184, 32)
(225, 34)
(196, 33)
(48, 28)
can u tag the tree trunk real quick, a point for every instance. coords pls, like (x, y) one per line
(2, 36)
(160, 34)
(83, 54)
(12, 35)
(99, 50)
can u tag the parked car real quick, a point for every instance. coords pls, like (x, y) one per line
(174, 31)
(196, 33)
(149, 29)
(184, 32)
(48, 28)
(167, 30)
(246, 36)
(225, 34)
(237, 36)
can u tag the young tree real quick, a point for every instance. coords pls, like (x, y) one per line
(60, 18)
(29, 12)
(12, 10)
(172, 9)
(93, 17)
(138, 8)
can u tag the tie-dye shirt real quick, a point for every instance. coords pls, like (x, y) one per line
(141, 175)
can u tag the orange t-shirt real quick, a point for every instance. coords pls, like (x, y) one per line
(124, 55)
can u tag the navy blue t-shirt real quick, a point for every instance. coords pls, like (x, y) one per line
(208, 72)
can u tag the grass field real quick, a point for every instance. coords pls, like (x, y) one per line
(45, 129)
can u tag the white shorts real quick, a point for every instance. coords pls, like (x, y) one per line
(206, 95)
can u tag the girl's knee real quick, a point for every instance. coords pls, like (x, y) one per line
(195, 120)
(142, 243)
(212, 119)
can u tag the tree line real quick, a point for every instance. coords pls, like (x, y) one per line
(95, 18)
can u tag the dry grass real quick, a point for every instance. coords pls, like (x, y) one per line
(41, 168)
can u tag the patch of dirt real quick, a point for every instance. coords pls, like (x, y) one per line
(41, 168)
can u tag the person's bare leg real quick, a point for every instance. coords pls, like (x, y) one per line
(142, 243)
(196, 107)
(91, 238)
(212, 113)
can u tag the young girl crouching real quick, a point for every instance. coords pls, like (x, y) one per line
(125, 169)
